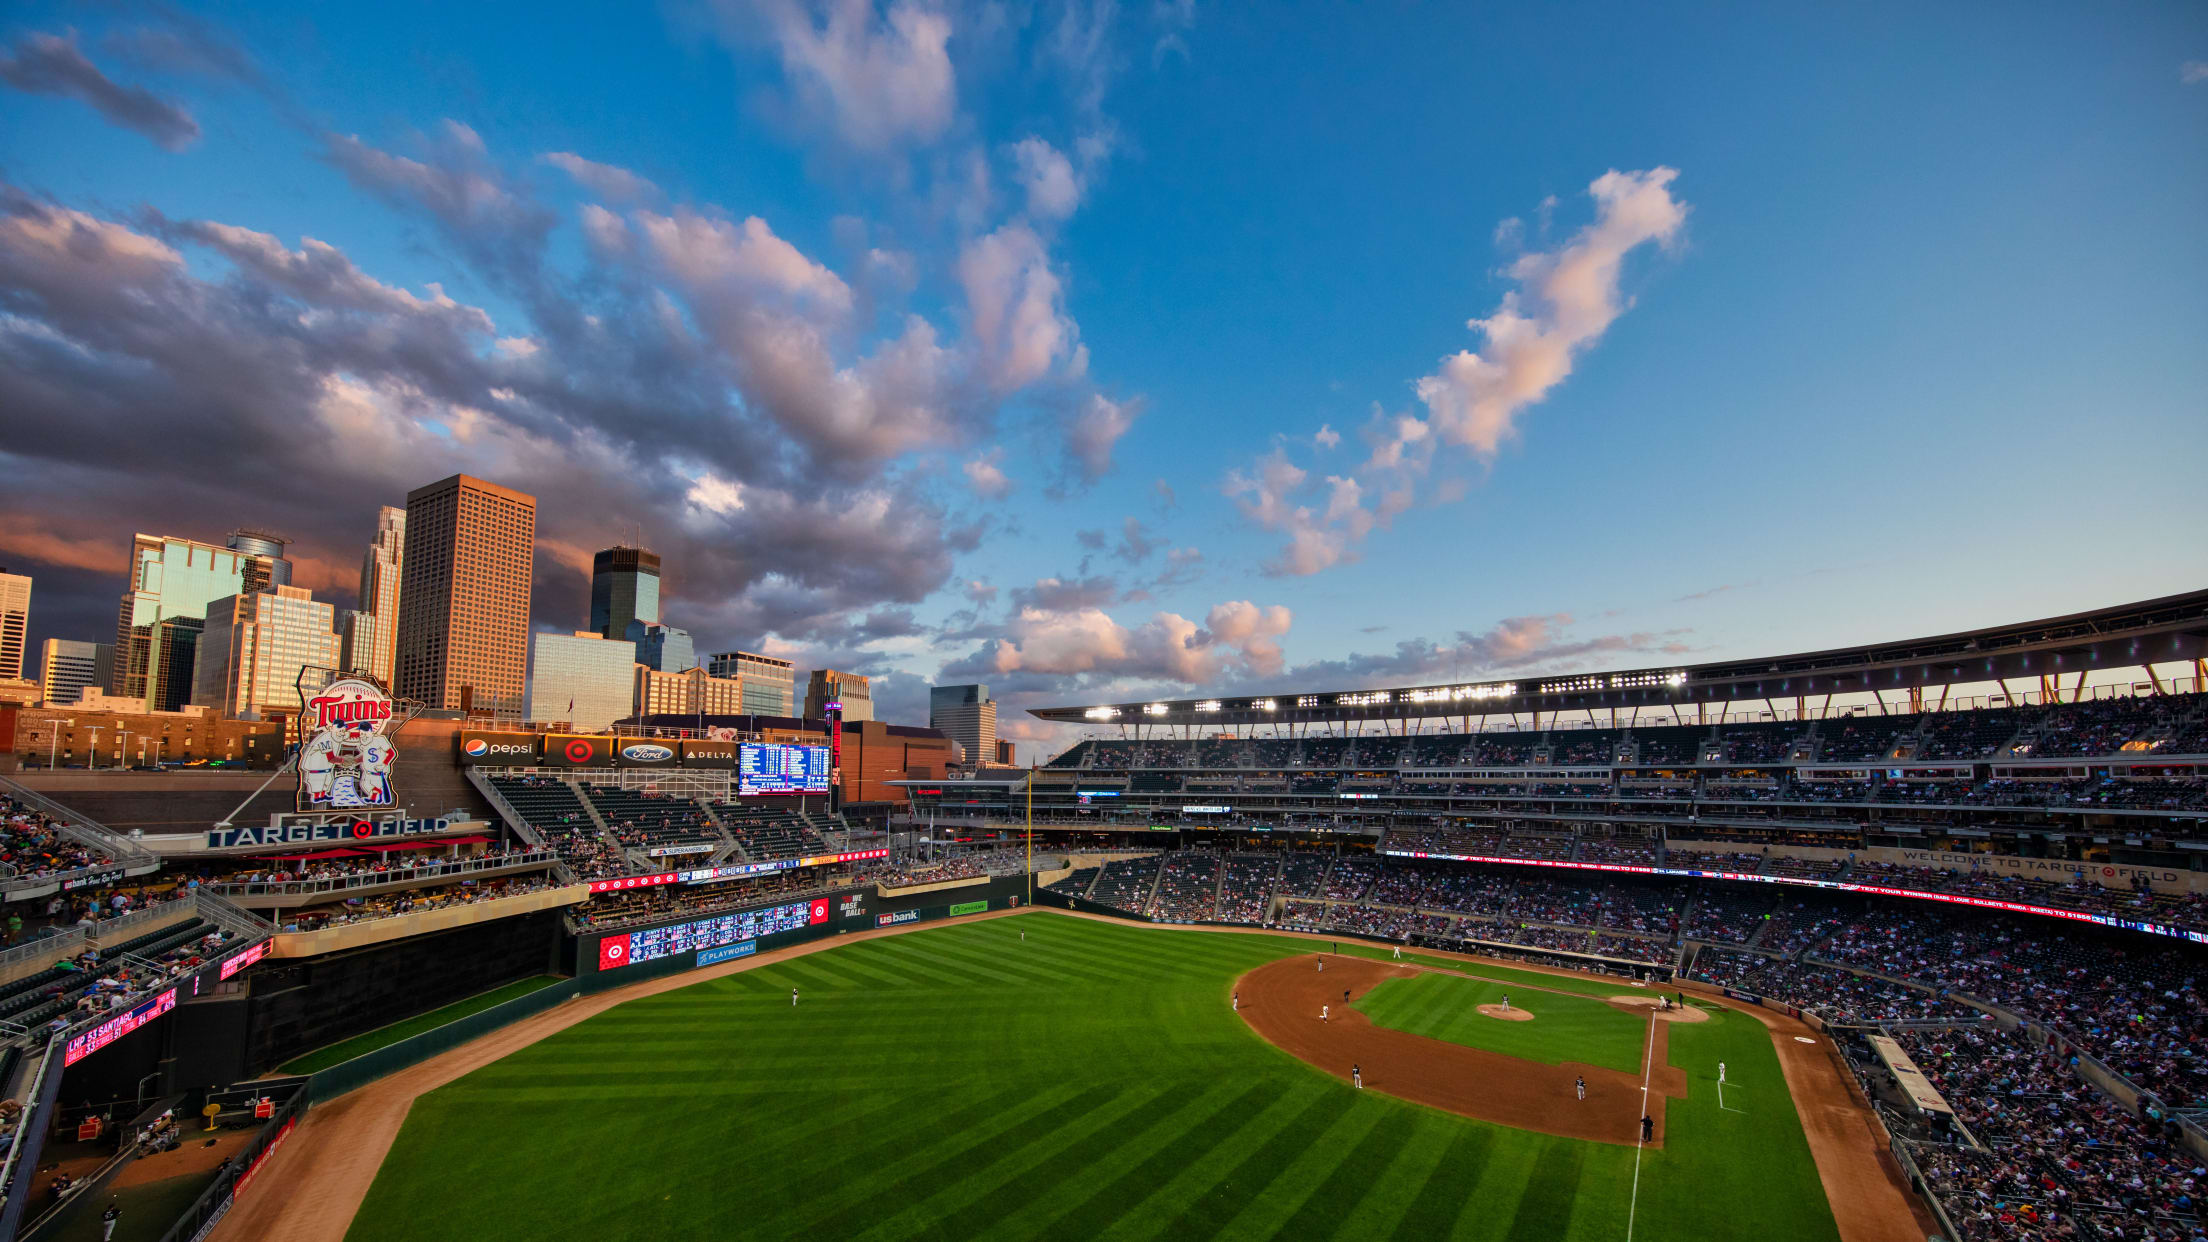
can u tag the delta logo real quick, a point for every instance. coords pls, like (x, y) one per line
(646, 752)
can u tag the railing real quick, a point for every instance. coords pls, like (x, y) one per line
(30, 1137)
(514, 818)
(214, 1202)
(370, 879)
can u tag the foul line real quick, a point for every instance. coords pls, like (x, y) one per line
(1721, 1100)
(1648, 1067)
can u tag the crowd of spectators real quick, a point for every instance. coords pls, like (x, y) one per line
(1834, 994)
(2054, 1159)
(411, 901)
(32, 845)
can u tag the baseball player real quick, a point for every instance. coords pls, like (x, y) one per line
(1580, 1085)
(1720, 1073)
(1238, 1002)
(1357, 1076)
(1648, 1128)
(1322, 963)
(1399, 953)
(1506, 1002)
(1322, 1013)
(793, 998)
(1345, 996)
(108, 1218)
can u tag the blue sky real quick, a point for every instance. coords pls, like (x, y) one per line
(1887, 321)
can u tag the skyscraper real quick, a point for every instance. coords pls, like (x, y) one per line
(968, 716)
(370, 634)
(662, 647)
(65, 668)
(826, 686)
(624, 587)
(253, 648)
(769, 684)
(581, 678)
(15, 622)
(177, 578)
(464, 596)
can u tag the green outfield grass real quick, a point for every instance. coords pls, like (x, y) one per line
(957, 1083)
(1564, 1028)
(384, 1036)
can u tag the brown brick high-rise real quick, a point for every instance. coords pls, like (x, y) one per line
(464, 596)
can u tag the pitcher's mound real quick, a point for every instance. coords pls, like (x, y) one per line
(1688, 1014)
(1507, 1015)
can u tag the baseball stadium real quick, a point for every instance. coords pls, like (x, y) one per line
(1873, 944)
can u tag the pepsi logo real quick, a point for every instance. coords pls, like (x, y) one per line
(477, 748)
(646, 752)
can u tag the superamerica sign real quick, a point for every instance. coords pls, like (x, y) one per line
(654, 943)
(344, 758)
(115, 1028)
(1877, 890)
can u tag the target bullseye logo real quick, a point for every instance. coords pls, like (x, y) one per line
(362, 829)
(579, 750)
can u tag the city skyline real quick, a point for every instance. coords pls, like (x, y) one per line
(1067, 355)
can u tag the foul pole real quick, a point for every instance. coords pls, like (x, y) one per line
(1031, 836)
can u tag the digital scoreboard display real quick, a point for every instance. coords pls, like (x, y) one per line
(763, 768)
(658, 942)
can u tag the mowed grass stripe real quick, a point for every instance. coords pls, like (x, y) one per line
(1238, 1187)
(1285, 1192)
(1172, 1201)
(1029, 1186)
(984, 1151)
(1388, 1197)
(1163, 1153)
(1443, 1196)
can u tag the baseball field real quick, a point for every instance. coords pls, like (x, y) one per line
(1087, 1080)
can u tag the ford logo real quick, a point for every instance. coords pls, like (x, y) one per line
(646, 752)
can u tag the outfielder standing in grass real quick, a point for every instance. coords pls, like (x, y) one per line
(793, 998)
(1720, 1073)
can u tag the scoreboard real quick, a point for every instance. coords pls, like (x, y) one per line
(658, 942)
(764, 768)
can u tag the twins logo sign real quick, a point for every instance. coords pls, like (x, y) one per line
(344, 758)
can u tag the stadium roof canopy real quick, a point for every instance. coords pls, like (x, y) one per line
(2174, 628)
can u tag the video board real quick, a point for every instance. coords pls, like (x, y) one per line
(768, 769)
(658, 942)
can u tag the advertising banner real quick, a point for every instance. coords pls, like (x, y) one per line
(116, 1027)
(891, 920)
(708, 754)
(242, 960)
(653, 943)
(569, 750)
(706, 957)
(766, 770)
(633, 881)
(498, 750)
(968, 907)
(644, 753)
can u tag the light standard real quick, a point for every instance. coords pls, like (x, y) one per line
(53, 739)
(92, 752)
(120, 734)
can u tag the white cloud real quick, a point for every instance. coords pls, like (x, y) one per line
(1565, 300)
(608, 181)
(1053, 189)
(987, 477)
(2193, 71)
(1085, 642)
(876, 80)
(1014, 306)
(1096, 426)
(1327, 437)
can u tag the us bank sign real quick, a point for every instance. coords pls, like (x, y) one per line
(314, 829)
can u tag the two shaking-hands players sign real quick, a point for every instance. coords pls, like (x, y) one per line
(345, 755)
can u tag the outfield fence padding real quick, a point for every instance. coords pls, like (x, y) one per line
(348, 1075)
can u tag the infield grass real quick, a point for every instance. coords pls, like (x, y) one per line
(1091, 1082)
(1564, 1028)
